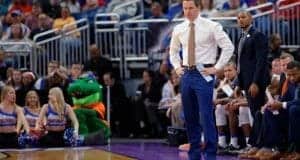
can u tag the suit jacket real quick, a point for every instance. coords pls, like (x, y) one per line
(296, 100)
(253, 61)
(289, 95)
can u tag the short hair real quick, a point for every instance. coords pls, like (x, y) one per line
(54, 62)
(293, 64)
(77, 62)
(37, 4)
(231, 63)
(273, 37)
(247, 13)
(197, 2)
(111, 75)
(150, 73)
(286, 55)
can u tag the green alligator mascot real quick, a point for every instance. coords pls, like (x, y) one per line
(87, 97)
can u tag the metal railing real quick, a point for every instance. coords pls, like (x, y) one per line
(108, 38)
(135, 7)
(66, 46)
(18, 54)
(290, 15)
(133, 35)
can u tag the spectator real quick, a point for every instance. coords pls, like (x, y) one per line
(32, 20)
(55, 78)
(73, 5)
(168, 91)
(90, 5)
(276, 68)
(218, 4)
(16, 33)
(75, 71)
(207, 8)
(157, 10)
(175, 10)
(120, 107)
(44, 24)
(148, 103)
(65, 19)
(21, 5)
(28, 80)
(275, 50)
(9, 74)
(232, 8)
(15, 17)
(16, 81)
(175, 111)
(71, 41)
(97, 63)
(51, 8)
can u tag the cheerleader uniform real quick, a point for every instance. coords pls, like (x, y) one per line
(30, 117)
(8, 135)
(55, 127)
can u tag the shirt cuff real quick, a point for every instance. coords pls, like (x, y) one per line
(284, 105)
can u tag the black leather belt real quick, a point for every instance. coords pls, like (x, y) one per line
(189, 67)
(195, 67)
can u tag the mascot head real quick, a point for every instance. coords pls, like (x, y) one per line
(85, 90)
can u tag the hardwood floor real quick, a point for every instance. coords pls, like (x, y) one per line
(64, 154)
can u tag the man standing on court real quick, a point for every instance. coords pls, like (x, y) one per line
(252, 67)
(252, 64)
(199, 39)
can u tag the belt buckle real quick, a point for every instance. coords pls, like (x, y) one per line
(191, 67)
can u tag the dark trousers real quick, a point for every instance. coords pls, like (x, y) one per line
(197, 97)
(294, 128)
(275, 129)
(256, 132)
(255, 103)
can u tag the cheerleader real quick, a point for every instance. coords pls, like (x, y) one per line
(55, 114)
(32, 108)
(12, 119)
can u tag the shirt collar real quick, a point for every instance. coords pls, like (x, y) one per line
(247, 30)
(187, 22)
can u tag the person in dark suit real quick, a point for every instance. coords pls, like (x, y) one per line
(98, 63)
(293, 109)
(120, 106)
(253, 71)
(252, 65)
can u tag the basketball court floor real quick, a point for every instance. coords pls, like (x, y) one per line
(116, 150)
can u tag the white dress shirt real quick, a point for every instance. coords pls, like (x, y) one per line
(209, 35)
